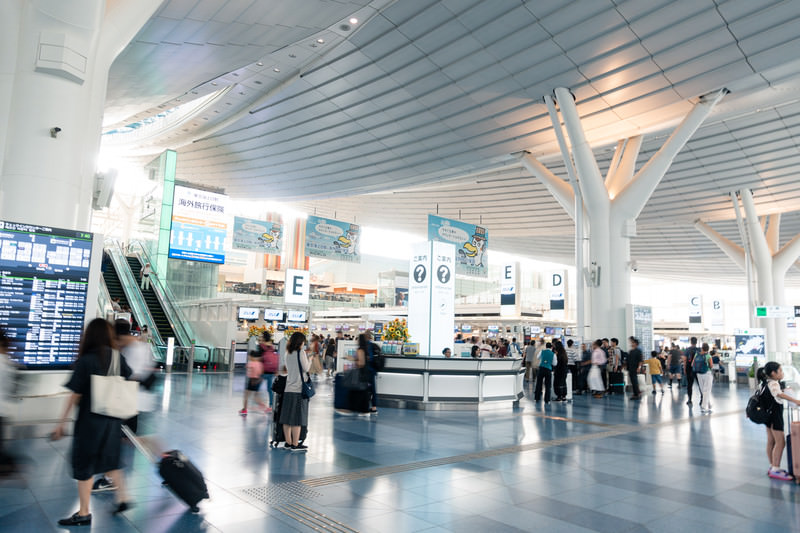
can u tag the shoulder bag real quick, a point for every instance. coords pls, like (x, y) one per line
(112, 394)
(307, 392)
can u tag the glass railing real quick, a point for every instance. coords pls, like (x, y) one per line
(135, 299)
(104, 307)
(177, 320)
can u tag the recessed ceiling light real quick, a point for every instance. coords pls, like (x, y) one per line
(321, 41)
(257, 82)
(276, 69)
(353, 20)
(260, 64)
(214, 83)
(292, 56)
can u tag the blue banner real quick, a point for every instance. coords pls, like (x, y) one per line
(332, 239)
(258, 236)
(471, 244)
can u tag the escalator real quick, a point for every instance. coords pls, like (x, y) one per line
(114, 286)
(153, 304)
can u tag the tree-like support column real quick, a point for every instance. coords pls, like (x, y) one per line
(612, 205)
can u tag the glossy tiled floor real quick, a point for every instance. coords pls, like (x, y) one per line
(609, 465)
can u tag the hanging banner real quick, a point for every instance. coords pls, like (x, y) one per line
(557, 286)
(332, 239)
(199, 225)
(695, 309)
(471, 243)
(509, 301)
(717, 315)
(258, 236)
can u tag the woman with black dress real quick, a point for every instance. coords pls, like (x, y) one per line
(560, 371)
(97, 439)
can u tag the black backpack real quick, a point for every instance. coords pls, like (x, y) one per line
(759, 406)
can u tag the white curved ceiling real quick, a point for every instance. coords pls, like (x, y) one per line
(422, 104)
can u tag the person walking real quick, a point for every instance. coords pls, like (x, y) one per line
(674, 365)
(294, 411)
(271, 361)
(702, 366)
(599, 360)
(654, 364)
(634, 364)
(530, 355)
(96, 444)
(146, 270)
(688, 357)
(573, 360)
(544, 373)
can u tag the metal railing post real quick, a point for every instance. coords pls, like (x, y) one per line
(190, 365)
(231, 356)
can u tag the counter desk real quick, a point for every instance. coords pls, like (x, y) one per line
(436, 383)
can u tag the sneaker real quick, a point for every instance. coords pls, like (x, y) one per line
(103, 484)
(243, 412)
(655, 391)
(781, 475)
(299, 448)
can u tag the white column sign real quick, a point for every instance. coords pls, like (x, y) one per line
(298, 287)
(419, 296)
(443, 297)
(717, 314)
(431, 296)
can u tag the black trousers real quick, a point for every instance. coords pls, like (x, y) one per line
(543, 375)
(690, 378)
(573, 369)
(634, 378)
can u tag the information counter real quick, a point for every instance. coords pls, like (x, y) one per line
(436, 383)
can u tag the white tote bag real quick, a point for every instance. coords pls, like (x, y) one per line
(112, 394)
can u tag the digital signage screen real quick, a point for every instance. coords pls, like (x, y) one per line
(297, 316)
(199, 225)
(273, 314)
(549, 331)
(44, 280)
(248, 313)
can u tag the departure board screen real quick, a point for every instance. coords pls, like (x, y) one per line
(44, 278)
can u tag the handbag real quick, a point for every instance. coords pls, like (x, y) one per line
(113, 395)
(279, 384)
(354, 379)
(307, 392)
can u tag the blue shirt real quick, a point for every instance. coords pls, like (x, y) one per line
(546, 359)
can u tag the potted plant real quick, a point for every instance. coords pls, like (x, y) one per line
(751, 374)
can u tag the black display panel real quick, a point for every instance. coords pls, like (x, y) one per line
(44, 279)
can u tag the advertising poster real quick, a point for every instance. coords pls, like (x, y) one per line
(400, 297)
(749, 344)
(332, 239)
(471, 242)
(257, 235)
(640, 323)
(199, 225)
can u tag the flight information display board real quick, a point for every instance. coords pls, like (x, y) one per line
(44, 279)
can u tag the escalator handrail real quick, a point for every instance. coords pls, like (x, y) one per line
(131, 289)
(104, 299)
(166, 298)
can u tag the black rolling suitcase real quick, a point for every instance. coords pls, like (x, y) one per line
(339, 392)
(177, 471)
(351, 391)
(277, 427)
(616, 382)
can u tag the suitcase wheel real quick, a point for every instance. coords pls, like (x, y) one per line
(194, 509)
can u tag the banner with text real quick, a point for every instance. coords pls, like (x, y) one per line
(471, 243)
(332, 239)
(257, 235)
(199, 225)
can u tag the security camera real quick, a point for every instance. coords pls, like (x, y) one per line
(634, 266)
(54, 132)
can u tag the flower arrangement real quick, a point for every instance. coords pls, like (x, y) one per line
(396, 330)
(259, 330)
(289, 331)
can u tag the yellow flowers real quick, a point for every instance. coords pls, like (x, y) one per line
(259, 330)
(396, 330)
(289, 331)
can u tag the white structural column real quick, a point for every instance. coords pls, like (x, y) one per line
(54, 63)
(612, 205)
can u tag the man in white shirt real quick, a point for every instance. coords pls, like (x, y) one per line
(530, 355)
(487, 350)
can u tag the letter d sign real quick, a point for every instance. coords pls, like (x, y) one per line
(557, 280)
(297, 287)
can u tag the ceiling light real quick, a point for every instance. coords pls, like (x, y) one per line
(353, 20)
(260, 64)
(214, 83)
(292, 56)
(321, 41)
(276, 69)
(257, 82)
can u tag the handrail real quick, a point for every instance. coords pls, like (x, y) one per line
(104, 306)
(180, 324)
(131, 289)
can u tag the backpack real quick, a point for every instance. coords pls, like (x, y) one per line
(375, 358)
(759, 408)
(700, 363)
